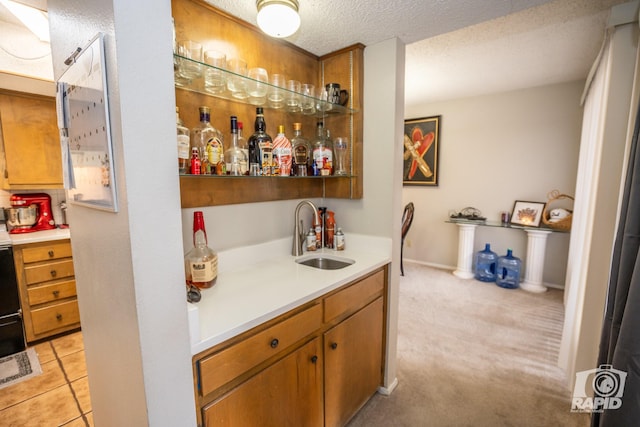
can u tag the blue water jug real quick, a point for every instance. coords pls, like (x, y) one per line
(508, 273)
(486, 262)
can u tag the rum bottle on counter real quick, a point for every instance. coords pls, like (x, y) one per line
(260, 147)
(301, 151)
(183, 145)
(208, 141)
(282, 153)
(234, 157)
(201, 262)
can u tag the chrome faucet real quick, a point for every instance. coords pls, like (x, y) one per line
(298, 231)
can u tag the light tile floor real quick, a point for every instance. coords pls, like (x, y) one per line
(57, 397)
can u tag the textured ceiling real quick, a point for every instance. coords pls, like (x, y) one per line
(459, 48)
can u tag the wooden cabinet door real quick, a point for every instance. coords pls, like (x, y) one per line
(353, 363)
(31, 141)
(287, 393)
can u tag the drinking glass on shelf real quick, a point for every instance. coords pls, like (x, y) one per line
(214, 78)
(237, 83)
(190, 67)
(293, 96)
(276, 91)
(307, 100)
(340, 149)
(258, 86)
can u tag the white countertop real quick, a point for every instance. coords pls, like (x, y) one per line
(40, 236)
(247, 295)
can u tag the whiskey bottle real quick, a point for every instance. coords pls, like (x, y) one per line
(322, 152)
(260, 147)
(208, 141)
(301, 151)
(183, 145)
(282, 153)
(201, 262)
(234, 157)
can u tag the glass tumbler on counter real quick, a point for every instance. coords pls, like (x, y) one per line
(340, 151)
(214, 76)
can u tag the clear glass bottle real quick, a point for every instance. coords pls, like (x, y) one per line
(322, 152)
(242, 144)
(208, 140)
(183, 145)
(234, 157)
(282, 153)
(201, 262)
(301, 151)
(260, 147)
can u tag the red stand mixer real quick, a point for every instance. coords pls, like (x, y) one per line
(29, 212)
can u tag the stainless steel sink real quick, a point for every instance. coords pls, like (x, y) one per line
(324, 262)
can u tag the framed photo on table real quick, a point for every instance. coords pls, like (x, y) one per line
(527, 214)
(421, 142)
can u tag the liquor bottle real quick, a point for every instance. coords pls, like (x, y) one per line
(195, 162)
(329, 229)
(183, 145)
(282, 153)
(234, 157)
(260, 147)
(242, 144)
(208, 141)
(301, 151)
(322, 152)
(201, 262)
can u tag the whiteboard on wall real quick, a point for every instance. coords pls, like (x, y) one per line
(83, 116)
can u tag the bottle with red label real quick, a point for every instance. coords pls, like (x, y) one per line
(201, 262)
(282, 153)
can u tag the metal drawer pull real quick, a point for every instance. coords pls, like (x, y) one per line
(314, 359)
(53, 273)
(56, 293)
(334, 345)
(274, 343)
(51, 253)
(59, 316)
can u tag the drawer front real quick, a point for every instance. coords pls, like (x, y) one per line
(354, 297)
(55, 316)
(51, 292)
(220, 368)
(49, 271)
(46, 252)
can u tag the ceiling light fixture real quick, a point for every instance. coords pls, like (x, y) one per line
(35, 20)
(278, 18)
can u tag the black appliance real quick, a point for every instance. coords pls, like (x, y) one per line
(11, 328)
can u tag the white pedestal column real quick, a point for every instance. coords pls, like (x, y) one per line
(534, 267)
(466, 235)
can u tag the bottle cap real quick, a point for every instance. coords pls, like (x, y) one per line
(297, 126)
(280, 128)
(240, 126)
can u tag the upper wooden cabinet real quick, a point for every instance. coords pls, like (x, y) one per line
(196, 20)
(31, 142)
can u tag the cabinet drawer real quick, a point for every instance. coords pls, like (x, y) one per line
(354, 297)
(46, 252)
(51, 292)
(220, 368)
(55, 316)
(49, 271)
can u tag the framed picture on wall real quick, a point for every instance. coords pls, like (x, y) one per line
(421, 144)
(527, 214)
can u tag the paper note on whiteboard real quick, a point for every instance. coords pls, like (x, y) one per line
(84, 106)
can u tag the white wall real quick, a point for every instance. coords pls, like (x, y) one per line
(496, 149)
(128, 265)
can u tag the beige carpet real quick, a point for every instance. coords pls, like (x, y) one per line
(474, 354)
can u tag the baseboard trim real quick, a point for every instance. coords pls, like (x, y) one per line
(386, 391)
